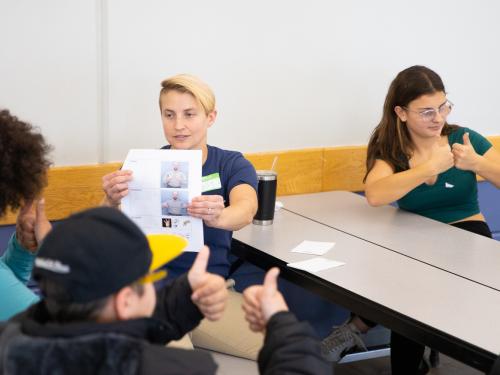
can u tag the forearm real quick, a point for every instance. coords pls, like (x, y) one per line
(16, 296)
(19, 260)
(236, 216)
(489, 170)
(391, 188)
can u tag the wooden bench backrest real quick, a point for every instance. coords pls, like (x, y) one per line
(72, 189)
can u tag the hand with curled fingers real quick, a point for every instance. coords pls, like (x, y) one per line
(441, 158)
(465, 156)
(208, 208)
(115, 186)
(32, 225)
(261, 302)
(209, 290)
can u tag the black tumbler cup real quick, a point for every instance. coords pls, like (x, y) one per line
(266, 194)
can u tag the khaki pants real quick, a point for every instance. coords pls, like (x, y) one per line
(229, 335)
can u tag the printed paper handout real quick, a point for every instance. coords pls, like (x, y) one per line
(163, 184)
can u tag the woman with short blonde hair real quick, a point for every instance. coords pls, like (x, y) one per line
(228, 201)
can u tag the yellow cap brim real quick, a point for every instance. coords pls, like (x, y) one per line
(164, 248)
(153, 277)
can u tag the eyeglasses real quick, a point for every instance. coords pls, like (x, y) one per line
(429, 115)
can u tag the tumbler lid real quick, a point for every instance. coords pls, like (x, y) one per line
(266, 175)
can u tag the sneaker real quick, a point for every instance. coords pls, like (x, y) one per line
(342, 339)
(434, 358)
(424, 367)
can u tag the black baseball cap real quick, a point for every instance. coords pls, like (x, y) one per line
(95, 253)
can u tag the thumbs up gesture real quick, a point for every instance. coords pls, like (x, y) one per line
(261, 302)
(209, 290)
(441, 158)
(464, 155)
(42, 224)
(32, 225)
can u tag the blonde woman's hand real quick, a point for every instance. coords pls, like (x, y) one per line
(208, 208)
(115, 186)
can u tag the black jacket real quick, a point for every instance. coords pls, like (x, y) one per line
(31, 344)
(291, 347)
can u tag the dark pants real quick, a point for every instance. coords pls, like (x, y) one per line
(406, 354)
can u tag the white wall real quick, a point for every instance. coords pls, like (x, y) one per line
(287, 74)
(48, 73)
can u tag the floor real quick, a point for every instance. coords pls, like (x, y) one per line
(229, 365)
(381, 366)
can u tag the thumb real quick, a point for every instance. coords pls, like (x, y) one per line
(42, 224)
(40, 211)
(26, 208)
(466, 139)
(271, 282)
(199, 266)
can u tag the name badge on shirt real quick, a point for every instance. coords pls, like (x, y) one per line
(210, 182)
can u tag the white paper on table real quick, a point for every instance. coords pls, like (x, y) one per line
(315, 264)
(163, 184)
(313, 247)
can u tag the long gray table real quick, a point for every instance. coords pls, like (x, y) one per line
(468, 255)
(437, 308)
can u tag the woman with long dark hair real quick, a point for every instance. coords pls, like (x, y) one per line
(429, 167)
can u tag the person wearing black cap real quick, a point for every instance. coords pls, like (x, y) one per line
(100, 313)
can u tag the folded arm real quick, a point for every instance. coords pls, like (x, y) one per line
(383, 186)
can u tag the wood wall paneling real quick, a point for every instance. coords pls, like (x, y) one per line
(72, 189)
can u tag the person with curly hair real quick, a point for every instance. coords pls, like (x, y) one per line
(23, 175)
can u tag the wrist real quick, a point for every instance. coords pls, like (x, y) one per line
(275, 311)
(428, 169)
(280, 316)
(217, 222)
(18, 245)
(110, 203)
(478, 165)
